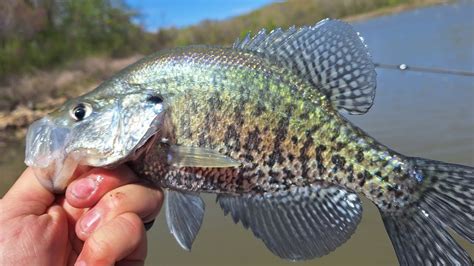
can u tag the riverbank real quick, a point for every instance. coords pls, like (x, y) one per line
(44, 90)
(385, 11)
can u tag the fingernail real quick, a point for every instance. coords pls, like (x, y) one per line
(90, 221)
(84, 188)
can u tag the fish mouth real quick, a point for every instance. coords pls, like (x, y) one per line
(54, 164)
(45, 154)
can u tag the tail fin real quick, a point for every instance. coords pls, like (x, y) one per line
(419, 235)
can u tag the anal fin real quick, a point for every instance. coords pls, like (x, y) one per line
(299, 224)
(184, 214)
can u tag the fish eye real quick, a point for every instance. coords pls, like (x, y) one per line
(80, 111)
(156, 99)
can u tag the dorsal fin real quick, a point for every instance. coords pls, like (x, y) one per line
(330, 55)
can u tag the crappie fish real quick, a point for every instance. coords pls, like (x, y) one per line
(258, 124)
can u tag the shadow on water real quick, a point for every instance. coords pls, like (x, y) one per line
(416, 114)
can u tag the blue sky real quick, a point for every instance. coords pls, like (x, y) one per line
(166, 13)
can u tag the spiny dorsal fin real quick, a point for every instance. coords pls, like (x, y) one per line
(330, 55)
(299, 224)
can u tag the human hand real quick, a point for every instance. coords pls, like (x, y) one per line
(99, 220)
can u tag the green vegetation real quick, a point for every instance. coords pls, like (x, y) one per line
(40, 33)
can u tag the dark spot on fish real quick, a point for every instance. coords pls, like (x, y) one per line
(350, 168)
(397, 169)
(340, 145)
(288, 174)
(231, 134)
(338, 161)
(294, 139)
(202, 139)
(248, 157)
(361, 177)
(281, 132)
(319, 158)
(310, 132)
(239, 118)
(360, 156)
(379, 195)
(273, 180)
(367, 175)
(271, 159)
(253, 140)
(291, 157)
(350, 178)
(215, 101)
(398, 193)
(303, 158)
(281, 159)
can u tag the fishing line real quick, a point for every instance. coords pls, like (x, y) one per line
(405, 67)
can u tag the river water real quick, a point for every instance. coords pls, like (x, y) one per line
(418, 114)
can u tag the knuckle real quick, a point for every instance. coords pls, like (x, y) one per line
(132, 224)
(97, 249)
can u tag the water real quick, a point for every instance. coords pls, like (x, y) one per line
(418, 114)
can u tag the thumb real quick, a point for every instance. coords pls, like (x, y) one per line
(29, 196)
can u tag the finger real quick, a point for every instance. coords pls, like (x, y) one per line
(30, 196)
(122, 238)
(88, 189)
(144, 201)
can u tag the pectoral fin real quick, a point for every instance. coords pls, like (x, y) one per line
(184, 214)
(184, 156)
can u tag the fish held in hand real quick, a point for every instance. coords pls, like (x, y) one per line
(258, 124)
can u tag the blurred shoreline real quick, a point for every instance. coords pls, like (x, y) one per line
(26, 105)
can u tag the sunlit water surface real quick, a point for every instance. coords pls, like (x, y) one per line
(418, 114)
